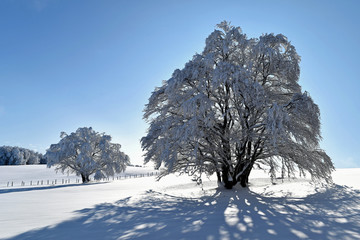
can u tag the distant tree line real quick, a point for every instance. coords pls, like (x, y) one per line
(20, 156)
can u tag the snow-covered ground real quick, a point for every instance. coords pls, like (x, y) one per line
(38, 175)
(176, 208)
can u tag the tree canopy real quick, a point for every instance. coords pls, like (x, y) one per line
(236, 105)
(87, 152)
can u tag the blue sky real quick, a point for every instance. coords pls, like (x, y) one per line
(68, 64)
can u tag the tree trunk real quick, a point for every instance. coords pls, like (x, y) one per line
(85, 178)
(228, 183)
(244, 177)
(229, 179)
(218, 176)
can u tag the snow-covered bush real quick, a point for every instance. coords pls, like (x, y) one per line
(18, 156)
(87, 152)
(236, 104)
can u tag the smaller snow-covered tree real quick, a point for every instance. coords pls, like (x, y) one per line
(87, 152)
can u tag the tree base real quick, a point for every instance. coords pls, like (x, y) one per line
(85, 178)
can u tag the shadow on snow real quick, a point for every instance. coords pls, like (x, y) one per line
(236, 214)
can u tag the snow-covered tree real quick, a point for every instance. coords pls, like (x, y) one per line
(18, 156)
(87, 152)
(236, 105)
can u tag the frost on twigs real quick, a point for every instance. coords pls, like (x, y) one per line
(236, 104)
(87, 152)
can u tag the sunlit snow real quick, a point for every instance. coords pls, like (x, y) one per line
(177, 208)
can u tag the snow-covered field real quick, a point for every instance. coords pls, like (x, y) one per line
(176, 208)
(38, 175)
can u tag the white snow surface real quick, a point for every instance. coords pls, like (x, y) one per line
(33, 173)
(177, 208)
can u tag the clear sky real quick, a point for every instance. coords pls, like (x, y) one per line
(66, 64)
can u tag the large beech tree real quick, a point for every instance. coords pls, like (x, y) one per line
(236, 105)
(87, 152)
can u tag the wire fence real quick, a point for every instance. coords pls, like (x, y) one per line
(64, 181)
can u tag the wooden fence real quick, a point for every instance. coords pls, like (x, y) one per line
(64, 181)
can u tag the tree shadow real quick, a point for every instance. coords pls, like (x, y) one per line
(227, 214)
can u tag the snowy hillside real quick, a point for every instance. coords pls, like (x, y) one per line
(176, 208)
